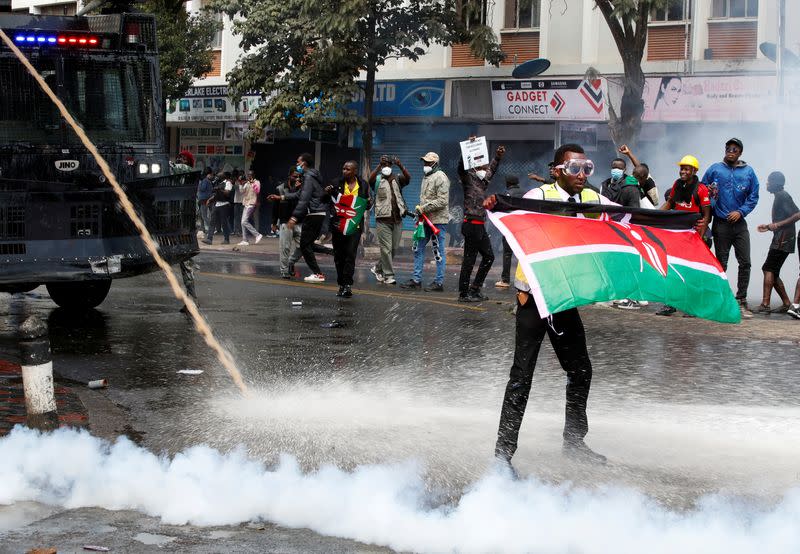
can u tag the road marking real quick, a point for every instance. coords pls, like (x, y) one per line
(396, 296)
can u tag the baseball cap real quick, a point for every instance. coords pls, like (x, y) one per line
(735, 141)
(430, 157)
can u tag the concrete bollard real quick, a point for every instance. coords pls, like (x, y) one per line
(37, 375)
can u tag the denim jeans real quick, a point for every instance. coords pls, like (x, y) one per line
(419, 255)
(205, 216)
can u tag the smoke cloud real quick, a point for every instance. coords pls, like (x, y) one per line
(381, 504)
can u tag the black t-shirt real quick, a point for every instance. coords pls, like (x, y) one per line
(783, 207)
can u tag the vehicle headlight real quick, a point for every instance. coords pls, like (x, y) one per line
(143, 168)
(155, 168)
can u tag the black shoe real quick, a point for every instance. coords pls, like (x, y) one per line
(347, 292)
(290, 270)
(578, 451)
(226, 242)
(411, 284)
(434, 287)
(286, 276)
(463, 297)
(666, 310)
(477, 295)
(340, 293)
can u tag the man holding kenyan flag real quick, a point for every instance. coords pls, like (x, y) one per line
(602, 252)
(351, 198)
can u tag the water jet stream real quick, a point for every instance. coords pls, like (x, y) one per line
(201, 325)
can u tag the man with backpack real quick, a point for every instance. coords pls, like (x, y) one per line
(688, 194)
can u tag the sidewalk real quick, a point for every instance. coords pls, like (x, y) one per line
(71, 411)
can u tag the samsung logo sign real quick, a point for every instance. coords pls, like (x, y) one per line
(67, 165)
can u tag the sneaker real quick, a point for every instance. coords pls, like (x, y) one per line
(465, 297)
(378, 275)
(258, 238)
(434, 287)
(347, 292)
(578, 451)
(628, 304)
(318, 278)
(502, 284)
(286, 275)
(389, 281)
(794, 311)
(782, 310)
(340, 292)
(411, 284)
(666, 311)
(477, 295)
(762, 309)
(745, 311)
(243, 243)
(643, 303)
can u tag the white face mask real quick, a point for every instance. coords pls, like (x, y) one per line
(481, 173)
(386, 171)
(427, 169)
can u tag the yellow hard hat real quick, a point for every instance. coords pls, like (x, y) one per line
(690, 160)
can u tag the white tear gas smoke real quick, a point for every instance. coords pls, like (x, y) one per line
(201, 325)
(380, 504)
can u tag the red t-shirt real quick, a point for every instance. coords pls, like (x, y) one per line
(702, 194)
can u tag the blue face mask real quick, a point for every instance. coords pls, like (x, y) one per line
(616, 174)
(299, 169)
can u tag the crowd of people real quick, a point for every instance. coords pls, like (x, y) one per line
(305, 204)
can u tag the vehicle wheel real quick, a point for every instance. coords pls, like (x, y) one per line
(17, 288)
(80, 295)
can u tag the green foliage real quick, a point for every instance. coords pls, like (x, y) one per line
(184, 44)
(306, 56)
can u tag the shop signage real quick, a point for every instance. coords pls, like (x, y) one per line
(550, 100)
(711, 98)
(405, 99)
(212, 104)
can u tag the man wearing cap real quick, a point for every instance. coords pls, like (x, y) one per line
(434, 198)
(736, 186)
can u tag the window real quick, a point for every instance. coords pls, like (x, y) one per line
(474, 13)
(676, 10)
(735, 8)
(216, 43)
(522, 14)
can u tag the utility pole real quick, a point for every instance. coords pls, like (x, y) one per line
(779, 61)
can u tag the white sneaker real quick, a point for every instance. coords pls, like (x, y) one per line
(378, 275)
(258, 238)
(643, 302)
(319, 278)
(502, 284)
(243, 243)
(794, 311)
(390, 281)
(627, 304)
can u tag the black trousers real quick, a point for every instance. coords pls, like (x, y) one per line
(345, 249)
(569, 344)
(736, 235)
(476, 240)
(308, 234)
(220, 218)
(507, 255)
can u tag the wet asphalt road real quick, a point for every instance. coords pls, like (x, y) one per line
(682, 407)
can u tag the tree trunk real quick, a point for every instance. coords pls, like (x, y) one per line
(366, 130)
(626, 125)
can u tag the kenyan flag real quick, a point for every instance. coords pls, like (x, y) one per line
(571, 261)
(349, 211)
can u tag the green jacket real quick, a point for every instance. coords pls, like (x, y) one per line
(434, 197)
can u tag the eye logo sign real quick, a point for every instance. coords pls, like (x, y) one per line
(67, 165)
(424, 97)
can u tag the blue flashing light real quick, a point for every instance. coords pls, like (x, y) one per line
(41, 39)
(20, 38)
(51, 40)
(31, 38)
